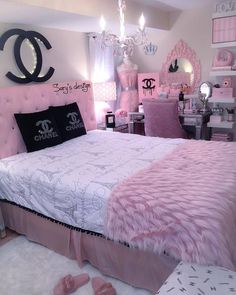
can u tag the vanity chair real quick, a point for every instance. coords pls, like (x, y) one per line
(162, 118)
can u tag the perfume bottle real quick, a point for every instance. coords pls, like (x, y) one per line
(140, 107)
(181, 96)
(181, 102)
(110, 120)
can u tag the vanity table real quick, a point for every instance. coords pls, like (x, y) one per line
(197, 120)
(182, 67)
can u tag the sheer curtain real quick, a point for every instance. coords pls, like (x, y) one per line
(102, 69)
(101, 61)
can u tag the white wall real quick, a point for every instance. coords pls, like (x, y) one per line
(194, 27)
(68, 55)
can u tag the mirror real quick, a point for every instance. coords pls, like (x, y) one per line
(206, 89)
(181, 67)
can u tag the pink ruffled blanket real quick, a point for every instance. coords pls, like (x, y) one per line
(184, 205)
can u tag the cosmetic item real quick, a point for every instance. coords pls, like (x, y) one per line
(110, 120)
(140, 108)
(181, 96)
(181, 102)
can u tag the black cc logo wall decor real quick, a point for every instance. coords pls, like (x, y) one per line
(32, 36)
(148, 85)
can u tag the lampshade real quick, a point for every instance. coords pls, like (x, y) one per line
(105, 91)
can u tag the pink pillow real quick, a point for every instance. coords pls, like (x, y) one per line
(223, 58)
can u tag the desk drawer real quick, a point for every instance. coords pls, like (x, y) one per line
(189, 121)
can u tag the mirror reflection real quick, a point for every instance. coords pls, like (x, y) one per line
(182, 65)
(206, 89)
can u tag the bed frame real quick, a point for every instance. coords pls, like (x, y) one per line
(33, 98)
(138, 268)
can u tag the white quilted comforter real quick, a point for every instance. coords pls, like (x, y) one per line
(71, 182)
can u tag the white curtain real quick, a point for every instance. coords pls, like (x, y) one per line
(101, 61)
(101, 70)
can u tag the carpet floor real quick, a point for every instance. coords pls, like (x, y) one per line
(27, 268)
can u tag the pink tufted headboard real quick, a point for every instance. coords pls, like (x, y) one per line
(33, 98)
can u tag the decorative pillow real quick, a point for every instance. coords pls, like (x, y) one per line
(69, 121)
(39, 130)
(223, 58)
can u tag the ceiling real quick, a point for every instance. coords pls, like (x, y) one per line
(173, 5)
(16, 12)
(20, 13)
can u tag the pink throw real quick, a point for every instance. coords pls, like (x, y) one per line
(184, 205)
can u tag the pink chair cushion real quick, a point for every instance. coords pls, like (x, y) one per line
(162, 118)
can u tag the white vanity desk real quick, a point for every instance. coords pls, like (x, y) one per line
(198, 120)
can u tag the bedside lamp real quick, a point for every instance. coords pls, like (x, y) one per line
(103, 93)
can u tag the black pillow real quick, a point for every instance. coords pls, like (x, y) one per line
(39, 130)
(69, 121)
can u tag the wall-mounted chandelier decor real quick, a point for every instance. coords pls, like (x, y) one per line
(150, 49)
(123, 45)
(33, 38)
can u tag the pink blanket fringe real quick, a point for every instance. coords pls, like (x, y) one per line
(184, 205)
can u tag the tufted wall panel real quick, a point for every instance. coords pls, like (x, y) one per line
(33, 98)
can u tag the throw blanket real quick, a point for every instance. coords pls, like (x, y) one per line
(184, 205)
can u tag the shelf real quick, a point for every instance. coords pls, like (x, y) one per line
(222, 100)
(223, 44)
(223, 14)
(223, 73)
(223, 124)
(191, 96)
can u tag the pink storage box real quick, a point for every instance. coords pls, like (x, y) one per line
(224, 29)
(222, 92)
(216, 119)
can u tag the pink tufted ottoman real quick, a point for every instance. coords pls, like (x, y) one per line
(193, 279)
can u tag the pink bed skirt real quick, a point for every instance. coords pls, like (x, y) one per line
(138, 268)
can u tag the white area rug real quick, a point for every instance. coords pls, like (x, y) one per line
(27, 268)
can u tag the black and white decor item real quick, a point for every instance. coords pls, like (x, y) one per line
(193, 279)
(33, 38)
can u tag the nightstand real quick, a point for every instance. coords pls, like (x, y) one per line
(118, 128)
(2, 226)
(136, 123)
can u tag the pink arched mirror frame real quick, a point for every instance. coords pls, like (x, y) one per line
(182, 50)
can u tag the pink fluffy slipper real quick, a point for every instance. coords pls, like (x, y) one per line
(101, 287)
(70, 284)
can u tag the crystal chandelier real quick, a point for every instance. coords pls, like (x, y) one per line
(123, 45)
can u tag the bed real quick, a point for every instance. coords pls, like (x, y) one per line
(75, 198)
